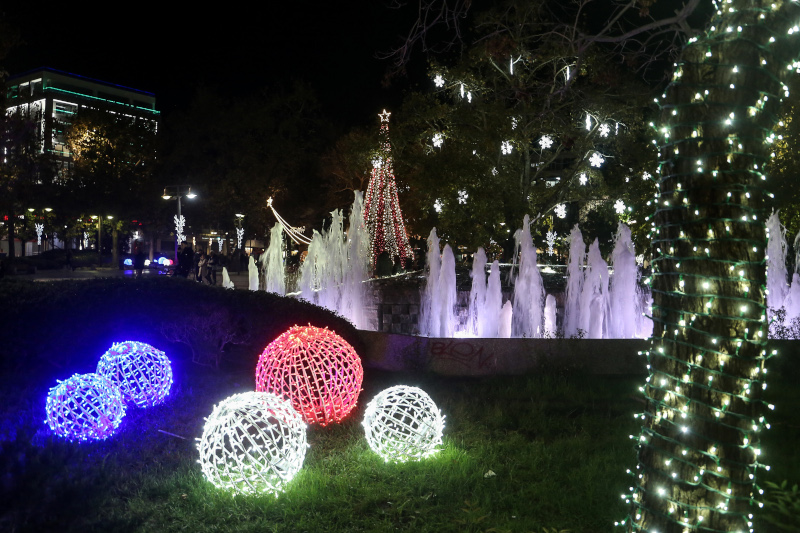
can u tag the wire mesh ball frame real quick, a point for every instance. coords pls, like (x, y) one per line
(316, 369)
(252, 442)
(402, 424)
(142, 372)
(85, 407)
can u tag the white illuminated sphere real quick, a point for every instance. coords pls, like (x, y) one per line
(252, 442)
(403, 424)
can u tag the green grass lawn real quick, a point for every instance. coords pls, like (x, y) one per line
(520, 454)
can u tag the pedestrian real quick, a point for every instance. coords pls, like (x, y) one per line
(212, 267)
(202, 268)
(197, 255)
(138, 261)
(185, 259)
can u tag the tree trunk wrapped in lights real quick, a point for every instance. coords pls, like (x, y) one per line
(698, 449)
(387, 231)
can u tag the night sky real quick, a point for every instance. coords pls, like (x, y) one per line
(332, 45)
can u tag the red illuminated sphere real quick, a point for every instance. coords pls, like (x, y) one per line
(314, 368)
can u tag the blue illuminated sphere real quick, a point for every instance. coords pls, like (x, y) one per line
(84, 407)
(142, 373)
(128, 261)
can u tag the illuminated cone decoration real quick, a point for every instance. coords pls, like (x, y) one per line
(387, 232)
(315, 369)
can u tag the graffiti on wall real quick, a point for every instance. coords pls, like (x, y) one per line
(462, 352)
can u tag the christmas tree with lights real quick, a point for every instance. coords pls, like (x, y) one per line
(382, 213)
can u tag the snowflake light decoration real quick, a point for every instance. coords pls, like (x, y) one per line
(438, 139)
(646, 175)
(252, 442)
(583, 178)
(141, 372)
(438, 80)
(462, 197)
(437, 205)
(239, 236)
(619, 206)
(403, 423)
(506, 147)
(551, 240)
(640, 259)
(604, 130)
(316, 369)
(180, 222)
(561, 210)
(377, 162)
(84, 407)
(596, 160)
(545, 142)
(513, 123)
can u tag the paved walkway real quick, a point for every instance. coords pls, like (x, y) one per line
(240, 281)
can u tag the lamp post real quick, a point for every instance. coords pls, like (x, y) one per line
(180, 192)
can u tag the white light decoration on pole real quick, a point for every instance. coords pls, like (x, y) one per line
(545, 142)
(438, 81)
(220, 240)
(403, 424)
(239, 236)
(39, 231)
(596, 160)
(551, 240)
(561, 210)
(252, 442)
(506, 148)
(588, 122)
(180, 222)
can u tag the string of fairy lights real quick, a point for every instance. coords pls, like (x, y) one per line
(698, 447)
(381, 205)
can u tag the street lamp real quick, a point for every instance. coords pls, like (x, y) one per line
(180, 192)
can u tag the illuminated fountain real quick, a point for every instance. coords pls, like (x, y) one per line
(336, 266)
(272, 262)
(597, 304)
(781, 294)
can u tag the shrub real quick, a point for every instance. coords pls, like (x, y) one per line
(84, 318)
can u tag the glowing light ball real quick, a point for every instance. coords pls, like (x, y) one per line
(142, 373)
(252, 442)
(403, 424)
(316, 369)
(84, 407)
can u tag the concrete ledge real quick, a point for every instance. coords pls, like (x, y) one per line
(483, 357)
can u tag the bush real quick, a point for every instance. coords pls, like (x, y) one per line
(84, 317)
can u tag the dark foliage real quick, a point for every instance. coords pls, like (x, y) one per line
(81, 319)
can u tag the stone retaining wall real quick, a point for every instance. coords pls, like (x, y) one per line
(482, 357)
